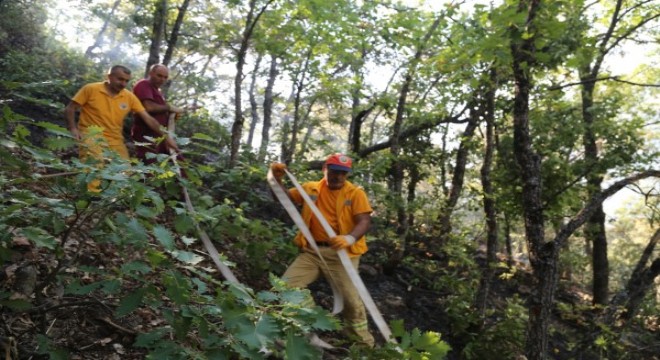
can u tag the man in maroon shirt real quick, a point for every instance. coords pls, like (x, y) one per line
(148, 91)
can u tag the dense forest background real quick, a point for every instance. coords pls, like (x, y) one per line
(510, 150)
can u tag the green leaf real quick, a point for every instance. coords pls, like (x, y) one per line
(137, 266)
(266, 296)
(177, 287)
(202, 288)
(40, 237)
(146, 212)
(76, 288)
(111, 286)
(297, 347)
(130, 302)
(155, 257)
(147, 340)
(430, 342)
(136, 232)
(17, 304)
(187, 257)
(257, 335)
(295, 297)
(183, 223)
(201, 136)
(54, 128)
(164, 236)
(44, 346)
(59, 143)
(188, 240)
(241, 293)
(324, 321)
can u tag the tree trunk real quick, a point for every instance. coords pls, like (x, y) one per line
(639, 283)
(507, 239)
(157, 34)
(253, 102)
(397, 167)
(444, 221)
(268, 108)
(354, 129)
(540, 254)
(176, 30)
(172, 41)
(595, 228)
(237, 126)
(295, 125)
(104, 28)
(309, 129)
(489, 200)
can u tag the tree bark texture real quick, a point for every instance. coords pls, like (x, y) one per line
(297, 100)
(176, 30)
(397, 167)
(488, 199)
(458, 177)
(237, 126)
(157, 34)
(540, 254)
(254, 113)
(268, 108)
(595, 233)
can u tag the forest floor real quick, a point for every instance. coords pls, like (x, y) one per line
(85, 326)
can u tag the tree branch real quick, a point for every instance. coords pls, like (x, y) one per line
(612, 78)
(413, 130)
(597, 200)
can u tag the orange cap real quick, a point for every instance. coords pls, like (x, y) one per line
(339, 162)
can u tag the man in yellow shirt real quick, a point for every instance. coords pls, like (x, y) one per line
(105, 105)
(347, 210)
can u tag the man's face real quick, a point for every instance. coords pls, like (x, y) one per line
(335, 178)
(118, 80)
(158, 76)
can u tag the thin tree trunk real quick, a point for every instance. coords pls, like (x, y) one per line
(237, 126)
(253, 101)
(268, 108)
(595, 233)
(295, 126)
(397, 167)
(354, 131)
(444, 221)
(638, 284)
(489, 200)
(157, 34)
(507, 239)
(309, 129)
(176, 30)
(104, 28)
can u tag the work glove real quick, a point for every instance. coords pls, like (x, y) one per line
(278, 170)
(300, 241)
(341, 241)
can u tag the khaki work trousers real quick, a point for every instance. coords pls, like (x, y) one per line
(307, 268)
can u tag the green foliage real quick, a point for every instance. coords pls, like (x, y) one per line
(503, 335)
(228, 319)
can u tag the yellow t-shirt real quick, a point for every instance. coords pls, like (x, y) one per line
(339, 208)
(99, 108)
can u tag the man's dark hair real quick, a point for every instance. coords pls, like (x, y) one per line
(116, 68)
